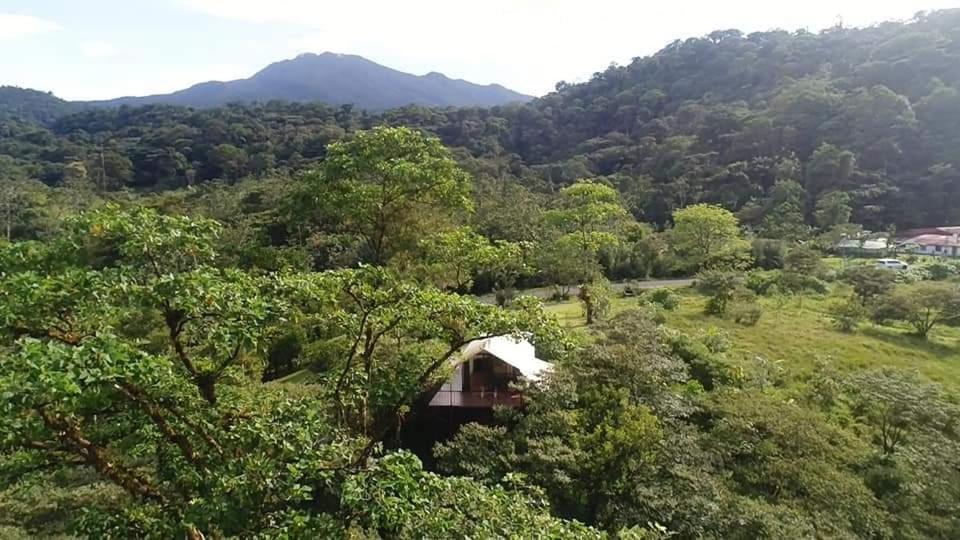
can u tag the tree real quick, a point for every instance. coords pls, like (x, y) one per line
(453, 259)
(228, 160)
(924, 305)
(868, 282)
(832, 210)
(388, 186)
(566, 263)
(596, 299)
(895, 404)
(803, 261)
(20, 201)
(590, 218)
(784, 218)
(702, 230)
(591, 211)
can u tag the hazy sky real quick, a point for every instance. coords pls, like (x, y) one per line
(90, 49)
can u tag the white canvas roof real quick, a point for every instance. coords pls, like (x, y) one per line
(517, 352)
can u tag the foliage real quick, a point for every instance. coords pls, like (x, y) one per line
(135, 358)
(922, 305)
(453, 260)
(768, 254)
(868, 282)
(663, 297)
(596, 299)
(701, 231)
(566, 263)
(803, 261)
(847, 314)
(721, 286)
(747, 313)
(387, 186)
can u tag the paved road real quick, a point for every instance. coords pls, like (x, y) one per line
(546, 292)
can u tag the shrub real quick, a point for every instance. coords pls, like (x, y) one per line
(747, 313)
(652, 312)
(805, 261)
(708, 368)
(632, 288)
(663, 297)
(847, 314)
(721, 286)
(797, 282)
(768, 254)
(868, 282)
(762, 282)
(940, 271)
(715, 339)
(504, 297)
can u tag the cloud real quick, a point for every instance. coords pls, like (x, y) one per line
(13, 27)
(97, 50)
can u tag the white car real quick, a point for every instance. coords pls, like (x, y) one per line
(892, 264)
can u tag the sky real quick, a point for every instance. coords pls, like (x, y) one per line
(97, 49)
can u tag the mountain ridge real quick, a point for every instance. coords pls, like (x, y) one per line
(334, 79)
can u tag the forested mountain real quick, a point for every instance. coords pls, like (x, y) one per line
(872, 115)
(334, 79)
(32, 106)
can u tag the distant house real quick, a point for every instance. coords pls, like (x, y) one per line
(484, 370)
(939, 241)
(876, 247)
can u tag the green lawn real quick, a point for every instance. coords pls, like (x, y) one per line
(798, 334)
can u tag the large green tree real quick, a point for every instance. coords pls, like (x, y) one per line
(389, 187)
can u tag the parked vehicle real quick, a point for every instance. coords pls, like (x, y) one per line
(892, 264)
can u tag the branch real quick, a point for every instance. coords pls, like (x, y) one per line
(153, 411)
(96, 457)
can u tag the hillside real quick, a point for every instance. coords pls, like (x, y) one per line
(334, 79)
(32, 106)
(870, 116)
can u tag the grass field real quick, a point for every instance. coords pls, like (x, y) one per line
(797, 334)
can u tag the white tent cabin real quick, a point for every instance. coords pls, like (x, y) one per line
(484, 370)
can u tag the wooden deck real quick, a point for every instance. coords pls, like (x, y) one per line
(476, 400)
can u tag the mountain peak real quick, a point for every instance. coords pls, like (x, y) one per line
(336, 79)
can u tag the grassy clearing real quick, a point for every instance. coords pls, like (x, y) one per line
(797, 334)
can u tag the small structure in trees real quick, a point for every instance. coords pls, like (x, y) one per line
(485, 371)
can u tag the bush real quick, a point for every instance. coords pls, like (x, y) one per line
(922, 305)
(663, 297)
(940, 271)
(805, 261)
(847, 314)
(868, 282)
(632, 288)
(762, 282)
(796, 282)
(715, 339)
(747, 313)
(504, 297)
(721, 286)
(768, 254)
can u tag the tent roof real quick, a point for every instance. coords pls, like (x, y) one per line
(517, 352)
